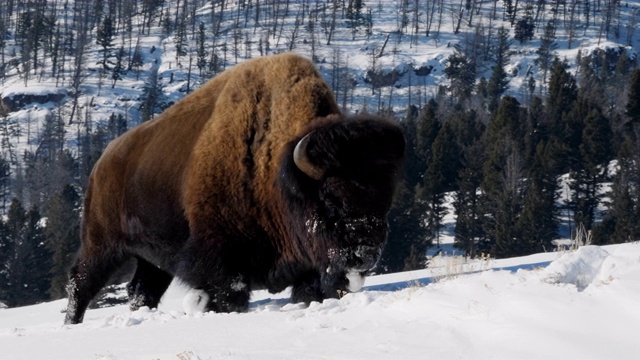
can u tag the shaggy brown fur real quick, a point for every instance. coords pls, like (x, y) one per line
(203, 192)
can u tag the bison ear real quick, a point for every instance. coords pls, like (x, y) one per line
(302, 161)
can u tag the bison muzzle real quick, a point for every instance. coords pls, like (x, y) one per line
(254, 181)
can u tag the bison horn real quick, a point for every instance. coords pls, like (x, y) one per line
(302, 160)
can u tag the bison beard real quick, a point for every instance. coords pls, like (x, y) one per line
(253, 181)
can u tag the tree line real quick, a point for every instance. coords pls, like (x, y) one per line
(42, 197)
(504, 167)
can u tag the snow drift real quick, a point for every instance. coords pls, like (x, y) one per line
(583, 305)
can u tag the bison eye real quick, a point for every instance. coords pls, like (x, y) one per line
(332, 205)
(341, 198)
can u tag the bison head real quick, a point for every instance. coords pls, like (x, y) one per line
(343, 182)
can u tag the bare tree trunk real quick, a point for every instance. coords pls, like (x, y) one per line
(296, 29)
(570, 25)
(332, 27)
(77, 78)
(457, 19)
(415, 23)
(381, 52)
(431, 9)
(440, 18)
(631, 25)
(189, 71)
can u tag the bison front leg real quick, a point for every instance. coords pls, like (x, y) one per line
(230, 296)
(310, 288)
(222, 297)
(217, 271)
(147, 286)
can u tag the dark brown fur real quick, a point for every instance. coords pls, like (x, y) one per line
(208, 192)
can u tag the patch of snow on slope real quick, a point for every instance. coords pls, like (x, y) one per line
(579, 268)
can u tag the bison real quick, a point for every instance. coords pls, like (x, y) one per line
(254, 181)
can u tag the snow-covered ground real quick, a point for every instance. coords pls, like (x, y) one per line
(574, 305)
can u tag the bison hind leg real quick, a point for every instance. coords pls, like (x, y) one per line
(87, 276)
(147, 286)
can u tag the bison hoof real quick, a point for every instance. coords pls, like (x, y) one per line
(196, 301)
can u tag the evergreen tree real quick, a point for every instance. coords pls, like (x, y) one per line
(596, 150)
(6, 254)
(105, 40)
(591, 86)
(440, 177)
(416, 260)
(5, 183)
(151, 99)
(461, 73)
(546, 51)
(468, 131)
(355, 16)
(506, 125)
(28, 262)
(117, 125)
(502, 183)
(63, 236)
(563, 122)
(469, 235)
(167, 25)
(43, 171)
(414, 166)
(619, 224)
(9, 129)
(623, 70)
(535, 129)
(52, 140)
(200, 45)
(181, 41)
(539, 220)
(30, 36)
(497, 85)
(407, 233)
(509, 11)
(590, 171)
(524, 29)
(428, 127)
(506, 206)
(445, 159)
(406, 226)
(620, 221)
(467, 127)
(35, 258)
(118, 69)
(11, 241)
(498, 82)
(632, 109)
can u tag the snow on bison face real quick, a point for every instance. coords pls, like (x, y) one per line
(354, 164)
(354, 216)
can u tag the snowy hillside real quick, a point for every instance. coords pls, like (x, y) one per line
(575, 305)
(407, 47)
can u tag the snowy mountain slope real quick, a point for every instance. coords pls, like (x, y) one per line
(344, 59)
(581, 306)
